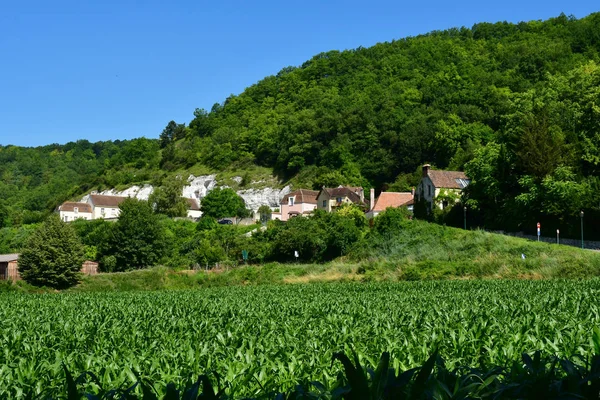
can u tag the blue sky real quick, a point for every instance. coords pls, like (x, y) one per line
(119, 69)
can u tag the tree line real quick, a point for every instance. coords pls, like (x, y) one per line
(513, 105)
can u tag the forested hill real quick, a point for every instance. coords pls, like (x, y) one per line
(515, 105)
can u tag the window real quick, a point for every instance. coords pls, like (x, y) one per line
(102, 211)
(324, 203)
(429, 187)
(339, 199)
(463, 183)
(76, 209)
(291, 201)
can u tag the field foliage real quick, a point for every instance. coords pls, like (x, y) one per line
(269, 338)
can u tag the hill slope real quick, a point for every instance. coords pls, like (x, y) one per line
(513, 104)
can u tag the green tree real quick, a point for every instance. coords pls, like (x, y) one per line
(52, 256)
(172, 132)
(137, 238)
(223, 203)
(167, 199)
(265, 213)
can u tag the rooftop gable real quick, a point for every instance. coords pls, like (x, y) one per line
(301, 196)
(99, 200)
(393, 199)
(448, 179)
(70, 206)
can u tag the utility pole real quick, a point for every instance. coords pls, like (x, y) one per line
(581, 214)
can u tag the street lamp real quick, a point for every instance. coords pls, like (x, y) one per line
(465, 217)
(581, 215)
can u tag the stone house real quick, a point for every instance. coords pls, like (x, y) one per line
(329, 199)
(390, 199)
(298, 202)
(70, 211)
(436, 182)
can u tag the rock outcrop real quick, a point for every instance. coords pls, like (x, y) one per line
(198, 187)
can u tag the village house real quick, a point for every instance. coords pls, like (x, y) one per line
(105, 207)
(298, 202)
(436, 182)
(329, 199)
(193, 211)
(9, 267)
(390, 199)
(70, 211)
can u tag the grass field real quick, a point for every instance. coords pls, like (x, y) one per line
(264, 337)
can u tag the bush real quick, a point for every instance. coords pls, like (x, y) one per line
(391, 220)
(52, 256)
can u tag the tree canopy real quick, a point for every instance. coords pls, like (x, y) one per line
(223, 203)
(522, 95)
(52, 256)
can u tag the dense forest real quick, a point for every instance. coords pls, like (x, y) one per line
(516, 106)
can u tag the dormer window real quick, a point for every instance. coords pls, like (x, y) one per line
(291, 201)
(339, 199)
(76, 209)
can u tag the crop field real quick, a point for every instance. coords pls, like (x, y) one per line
(266, 337)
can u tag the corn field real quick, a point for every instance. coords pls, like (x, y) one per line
(269, 338)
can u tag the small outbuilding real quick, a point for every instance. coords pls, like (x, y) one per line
(8, 267)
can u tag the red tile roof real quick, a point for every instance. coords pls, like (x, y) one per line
(99, 200)
(393, 199)
(70, 206)
(447, 179)
(302, 196)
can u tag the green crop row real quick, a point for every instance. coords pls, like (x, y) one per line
(268, 338)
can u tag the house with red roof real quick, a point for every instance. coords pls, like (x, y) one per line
(436, 182)
(390, 199)
(297, 203)
(70, 211)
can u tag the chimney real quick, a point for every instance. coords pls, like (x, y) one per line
(372, 205)
(426, 170)
(413, 191)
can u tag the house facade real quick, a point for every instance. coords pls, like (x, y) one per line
(105, 207)
(390, 199)
(330, 199)
(435, 182)
(298, 202)
(193, 211)
(70, 211)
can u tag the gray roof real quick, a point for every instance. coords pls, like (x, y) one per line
(8, 257)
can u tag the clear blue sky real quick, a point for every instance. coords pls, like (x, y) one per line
(119, 69)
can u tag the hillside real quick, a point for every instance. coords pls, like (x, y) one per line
(514, 105)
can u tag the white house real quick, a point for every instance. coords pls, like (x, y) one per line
(434, 182)
(193, 209)
(70, 211)
(105, 207)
